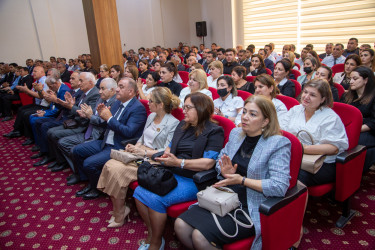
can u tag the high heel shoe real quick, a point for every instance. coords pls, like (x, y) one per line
(114, 224)
(112, 219)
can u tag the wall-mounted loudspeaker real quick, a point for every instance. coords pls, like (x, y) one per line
(201, 28)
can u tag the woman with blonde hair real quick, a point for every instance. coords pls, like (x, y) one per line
(197, 83)
(216, 70)
(131, 71)
(104, 73)
(157, 134)
(291, 56)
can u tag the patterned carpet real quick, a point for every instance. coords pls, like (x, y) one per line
(38, 210)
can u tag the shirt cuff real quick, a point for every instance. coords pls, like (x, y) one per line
(109, 119)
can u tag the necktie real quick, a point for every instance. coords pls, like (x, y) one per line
(334, 61)
(83, 97)
(90, 128)
(117, 115)
(119, 111)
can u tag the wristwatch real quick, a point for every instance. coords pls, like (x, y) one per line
(182, 163)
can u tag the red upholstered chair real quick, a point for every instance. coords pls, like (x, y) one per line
(298, 66)
(340, 67)
(68, 84)
(340, 89)
(214, 93)
(184, 76)
(175, 210)
(178, 113)
(349, 164)
(296, 73)
(207, 74)
(250, 78)
(143, 81)
(269, 71)
(297, 87)
(26, 99)
(145, 103)
(243, 94)
(288, 101)
(184, 85)
(281, 218)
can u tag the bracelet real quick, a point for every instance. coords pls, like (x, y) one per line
(243, 181)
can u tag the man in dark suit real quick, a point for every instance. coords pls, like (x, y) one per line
(210, 57)
(94, 131)
(125, 120)
(64, 73)
(329, 47)
(50, 135)
(230, 61)
(242, 59)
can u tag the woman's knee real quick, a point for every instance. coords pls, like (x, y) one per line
(180, 226)
(199, 241)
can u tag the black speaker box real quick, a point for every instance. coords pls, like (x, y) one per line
(201, 28)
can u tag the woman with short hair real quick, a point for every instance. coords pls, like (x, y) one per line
(216, 70)
(197, 83)
(239, 78)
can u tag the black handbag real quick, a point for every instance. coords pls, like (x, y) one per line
(156, 178)
(70, 124)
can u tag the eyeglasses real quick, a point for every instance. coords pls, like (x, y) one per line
(187, 107)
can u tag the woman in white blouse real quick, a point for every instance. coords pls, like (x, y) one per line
(315, 116)
(197, 83)
(144, 90)
(229, 104)
(216, 70)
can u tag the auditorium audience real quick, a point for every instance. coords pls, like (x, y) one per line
(195, 146)
(216, 70)
(229, 104)
(361, 95)
(343, 78)
(314, 117)
(197, 83)
(336, 56)
(157, 134)
(282, 71)
(239, 78)
(255, 165)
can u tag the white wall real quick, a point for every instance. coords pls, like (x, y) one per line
(39, 29)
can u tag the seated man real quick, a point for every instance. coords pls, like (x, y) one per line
(49, 135)
(64, 73)
(336, 56)
(242, 59)
(328, 49)
(125, 120)
(352, 47)
(230, 61)
(94, 131)
(190, 61)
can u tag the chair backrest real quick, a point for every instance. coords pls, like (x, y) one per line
(214, 93)
(68, 84)
(296, 73)
(178, 113)
(243, 94)
(297, 87)
(184, 76)
(227, 125)
(143, 81)
(269, 71)
(340, 89)
(295, 158)
(298, 66)
(352, 119)
(288, 101)
(250, 78)
(340, 67)
(26, 99)
(145, 103)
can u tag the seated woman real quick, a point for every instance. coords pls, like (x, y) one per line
(257, 65)
(325, 72)
(197, 83)
(368, 58)
(144, 90)
(254, 164)
(229, 104)
(312, 53)
(351, 62)
(143, 69)
(315, 116)
(131, 71)
(239, 78)
(104, 73)
(291, 56)
(361, 95)
(196, 66)
(281, 72)
(157, 66)
(116, 72)
(82, 65)
(309, 67)
(167, 73)
(157, 134)
(195, 146)
(216, 70)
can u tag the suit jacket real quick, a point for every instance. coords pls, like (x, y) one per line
(98, 123)
(323, 55)
(269, 64)
(163, 137)
(90, 100)
(65, 77)
(129, 125)
(66, 112)
(54, 108)
(28, 80)
(269, 163)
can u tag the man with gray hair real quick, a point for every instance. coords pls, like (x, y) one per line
(94, 131)
(329, 47)
(71, 126)
(64, 73)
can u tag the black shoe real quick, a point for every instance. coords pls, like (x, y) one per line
(59, 168)
(93, 194)
(43, 161)
(28, 142)
(8, 118)
(35, 148)
(13, 134)
(38, 155)
(74, 179)
(81, 192)
(52, 164)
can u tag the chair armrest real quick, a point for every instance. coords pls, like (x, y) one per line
(204, 176)
(129, 141)
(350, 154)
(271, 205)
(158, 154)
